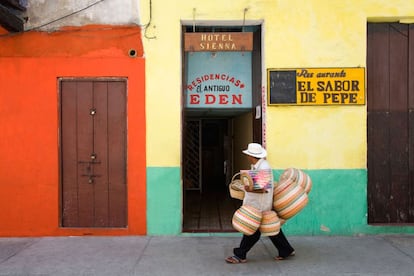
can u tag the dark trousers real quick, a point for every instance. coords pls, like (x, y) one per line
(279, 241)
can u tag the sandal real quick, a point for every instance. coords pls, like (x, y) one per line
(279, 258)
(235, 260)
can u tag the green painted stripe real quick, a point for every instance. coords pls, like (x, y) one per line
(337, 204)
(164, 201)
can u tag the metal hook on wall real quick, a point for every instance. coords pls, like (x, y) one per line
(244, 17)
(194, 12)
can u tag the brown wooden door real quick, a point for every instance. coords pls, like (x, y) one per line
(390, 100)
(93, 153)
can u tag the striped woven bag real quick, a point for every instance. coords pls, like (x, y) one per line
(304, 181)
(270, 224)
(289, 198)
(247, 220)
(290, 173)
(299, 176)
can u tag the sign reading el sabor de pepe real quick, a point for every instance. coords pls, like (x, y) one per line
(316, 86)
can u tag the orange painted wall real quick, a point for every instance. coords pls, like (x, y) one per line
(30, 65)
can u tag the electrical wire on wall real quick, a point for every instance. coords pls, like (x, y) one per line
(65, 16)
(146, 26)
(55, 20)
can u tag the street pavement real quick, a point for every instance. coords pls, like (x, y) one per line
(204, 255)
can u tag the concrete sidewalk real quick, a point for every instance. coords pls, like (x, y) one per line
(191, 255)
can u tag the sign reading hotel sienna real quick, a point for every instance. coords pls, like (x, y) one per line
(214, 42)
(316, 86)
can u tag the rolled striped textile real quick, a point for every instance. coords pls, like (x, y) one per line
(270, 224)
(303, 179)
(282, 185)
(247, 219)
(289, 198)
(289, 173)
(294, 206)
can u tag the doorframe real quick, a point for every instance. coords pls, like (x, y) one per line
(258, 84)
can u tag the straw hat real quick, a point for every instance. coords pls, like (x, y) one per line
(255, 150)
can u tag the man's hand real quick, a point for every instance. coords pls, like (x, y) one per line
(247, 188)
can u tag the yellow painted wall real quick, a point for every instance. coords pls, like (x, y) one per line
(296, 34)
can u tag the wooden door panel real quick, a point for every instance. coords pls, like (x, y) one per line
(398, 74)
(398, 98)
(84, 134)
(398, 185)
(411, 66)
(410, 191)
(378, 133)
(117, 153)
(69, 164)
(390, 130)
(410, 82)
(377, 67)
(100, 149)
(378, 172)
(93, 153)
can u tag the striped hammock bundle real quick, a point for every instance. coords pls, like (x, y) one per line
(299, 176)
(270, 224)
(247, 220)
(290, 195)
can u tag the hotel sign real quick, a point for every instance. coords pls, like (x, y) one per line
(316, 86)
(215, 42)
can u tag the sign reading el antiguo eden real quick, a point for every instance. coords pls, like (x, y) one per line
(316, 86)
(214, 42)
(219, 71)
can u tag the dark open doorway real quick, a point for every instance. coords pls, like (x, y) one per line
(208, 206)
